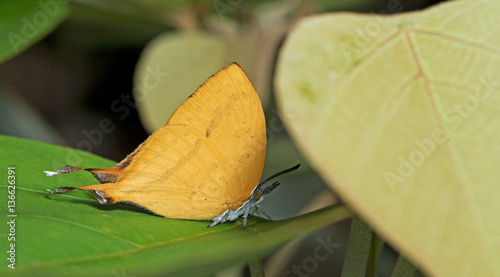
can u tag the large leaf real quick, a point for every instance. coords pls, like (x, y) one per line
(23, 23)
(74, 235)
(401, 115)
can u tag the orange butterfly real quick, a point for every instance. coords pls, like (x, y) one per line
(203, 164)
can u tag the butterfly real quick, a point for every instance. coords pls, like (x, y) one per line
(203, 164)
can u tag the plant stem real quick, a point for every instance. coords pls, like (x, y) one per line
(376, 246)
(403, 268)
(256, 268)
(358, 249)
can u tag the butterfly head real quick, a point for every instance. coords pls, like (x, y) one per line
(259, 192)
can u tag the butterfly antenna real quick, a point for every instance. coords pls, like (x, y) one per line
(279, 174)
(270, 188)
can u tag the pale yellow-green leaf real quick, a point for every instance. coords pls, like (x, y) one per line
(401, 115)
(171, 67)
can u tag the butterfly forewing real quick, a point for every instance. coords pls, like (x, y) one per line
(206, 159)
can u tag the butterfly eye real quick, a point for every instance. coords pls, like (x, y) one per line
(256, 195)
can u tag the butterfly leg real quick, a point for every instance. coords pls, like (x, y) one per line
(221, 218)
(261, 211)
(245, 217)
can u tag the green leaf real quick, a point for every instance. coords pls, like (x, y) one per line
(73, 235)
(22, 23)
(400, 115)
